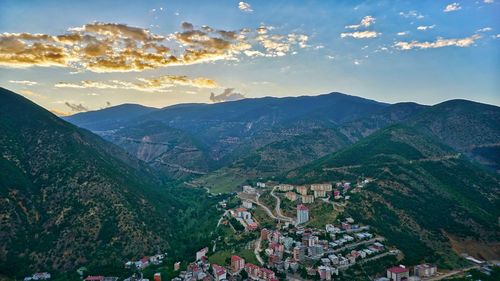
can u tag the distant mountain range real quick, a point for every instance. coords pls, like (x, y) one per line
(69, 198)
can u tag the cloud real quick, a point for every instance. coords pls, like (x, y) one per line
(402, 33)
(227, 95)
(23, 82)
(153, 84)
(488, 1)
(32, 94)
(113, 47)
(76, 107)
(245, 7)
(425, 27)
(360, 34)
(59, 113)
(439, 43)
(411, 14)
(484, 29)
(365, 22)
(452, 7)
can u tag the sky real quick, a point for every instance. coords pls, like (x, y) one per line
(74, 56)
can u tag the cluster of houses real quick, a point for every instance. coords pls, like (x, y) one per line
(402, 273)
(242, 215)
(145, 262)
(203, 270)
(38, 276)
(307, 194)
(338, 251)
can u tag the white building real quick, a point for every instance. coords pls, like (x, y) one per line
(302, 214)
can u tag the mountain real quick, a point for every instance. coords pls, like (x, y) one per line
(219, 134)
(297, 150)
(108, 118)
(469, 127)
(426, 198)
(69, 198)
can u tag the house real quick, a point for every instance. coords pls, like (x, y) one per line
(398, 273)
(201, 253)
(157, 277)
(177, 266)
(253, 226)
(219, 272)
(237, 263)
(425, 270)
(292, 196)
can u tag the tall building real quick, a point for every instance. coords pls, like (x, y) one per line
(302, 214)
(237, 263)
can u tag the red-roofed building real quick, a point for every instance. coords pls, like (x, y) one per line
(219, 272)
(267, 274)
(237, 263)
(94, 278)
(252, 270)
(398, 273)
(252, 226)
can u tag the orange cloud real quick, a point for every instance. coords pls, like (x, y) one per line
(112, 47)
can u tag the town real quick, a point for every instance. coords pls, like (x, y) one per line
(259, 241)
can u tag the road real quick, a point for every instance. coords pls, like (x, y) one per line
(428, 159)
(277, 208)
(451, 273)
(256, 251)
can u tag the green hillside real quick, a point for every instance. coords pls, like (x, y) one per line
(425, 199)
(69, 198)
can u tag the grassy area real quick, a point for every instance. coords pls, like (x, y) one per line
(263, 218)
(222, 182)
(321, 213)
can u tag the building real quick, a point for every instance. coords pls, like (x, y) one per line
(247, 204)
(248, 189)
(261, 185)
(219, 272)
(307, 199)
(302, 214)
(301, 189)
(321, 186)
(237, 264)
(177, 266)
(201, 253)
(264, 234)
(425, 270)
(398, 273)
(285, 187)
(325, 273)
(319, 193)
(299, 253)
(290, 195)
(157, 277)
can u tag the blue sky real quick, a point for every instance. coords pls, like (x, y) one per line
(391, 51)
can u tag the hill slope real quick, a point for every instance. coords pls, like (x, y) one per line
(426, 199)
(70, 198)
